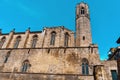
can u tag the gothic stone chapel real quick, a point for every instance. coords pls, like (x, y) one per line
(54, 53)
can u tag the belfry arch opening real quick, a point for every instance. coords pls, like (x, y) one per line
(82, 10)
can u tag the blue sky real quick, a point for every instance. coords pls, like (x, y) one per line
(104, 14)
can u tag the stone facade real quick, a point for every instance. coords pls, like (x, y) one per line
(54, 53)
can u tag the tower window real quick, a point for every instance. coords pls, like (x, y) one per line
(83, 37)
(6, 57)
(66, 39)
(34, 41)
(2, 41)
(53, 35)
(82, 10)
(25, 65)
(85, 69)
(18, 39)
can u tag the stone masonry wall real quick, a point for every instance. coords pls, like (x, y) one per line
(31, 76)
(63, 61)
(108, 66)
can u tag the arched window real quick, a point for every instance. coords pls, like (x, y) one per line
(18, 39)
(66, 39)
(2, 41)
(82, 10)
(34, 41)
(53, 35)
(85, 69)
(25, 66)
(6, 57)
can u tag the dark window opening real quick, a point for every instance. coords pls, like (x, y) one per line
(18, 39)
(48, 50)
(66, 39)
(114, 75)
(34, 41)
(85, 67)
(83, 37)
(91, 50)
(53, 35)
(2, 41)
(6, 57)
(82, 10)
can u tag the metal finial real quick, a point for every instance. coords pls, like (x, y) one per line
(13, 30)
(28, 28)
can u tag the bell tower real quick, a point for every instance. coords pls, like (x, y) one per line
(83, 31)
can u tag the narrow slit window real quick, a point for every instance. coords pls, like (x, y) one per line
(48, 50)
(6, 57)
(83, 37)
(91, 50)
